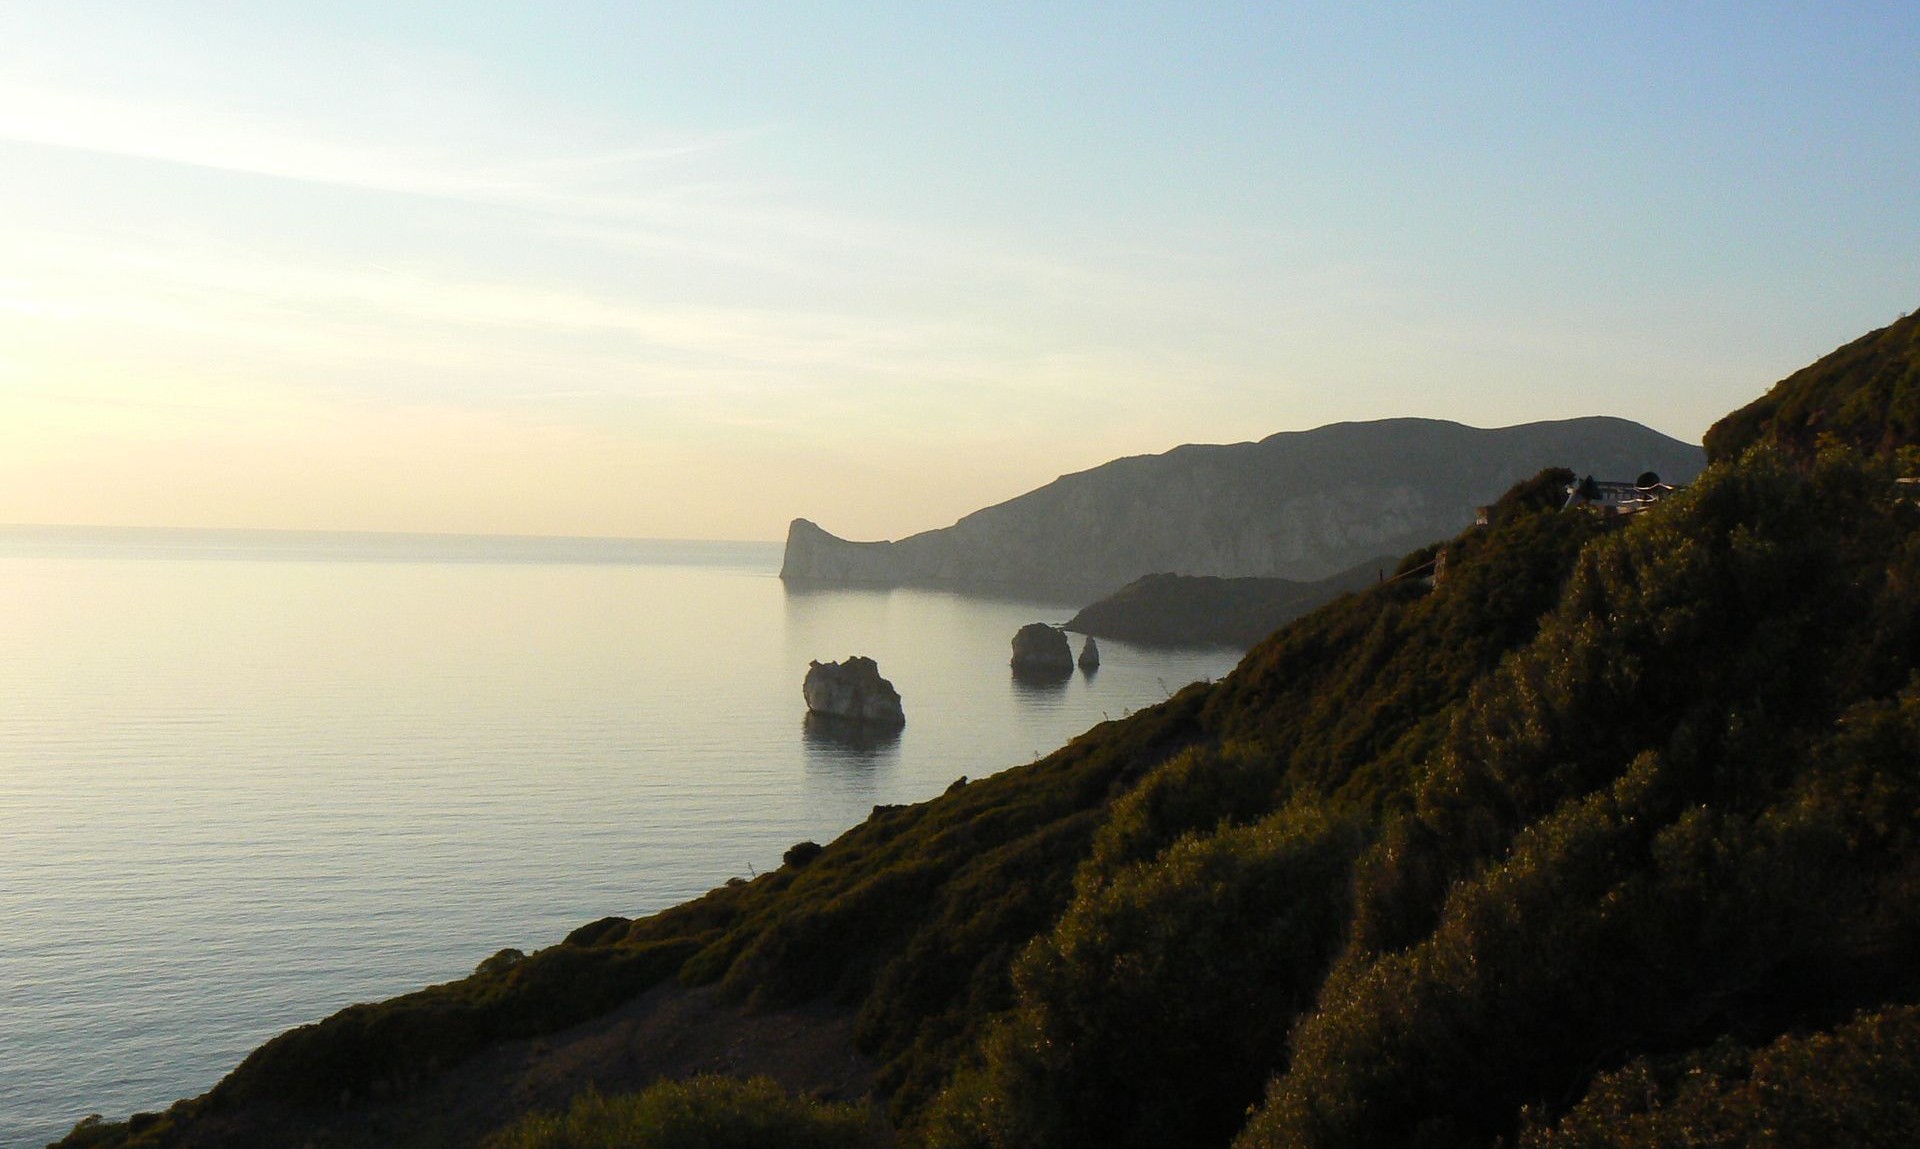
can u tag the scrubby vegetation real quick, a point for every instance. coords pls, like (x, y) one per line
(703, 1113)
(377, 1050)
(1610, 837)
(1858, 1086)
(1866, 395)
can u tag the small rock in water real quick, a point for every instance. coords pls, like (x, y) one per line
(1090, 655)
(1042, 650)
(854, 690)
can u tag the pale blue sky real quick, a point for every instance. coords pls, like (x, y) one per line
(694, 269)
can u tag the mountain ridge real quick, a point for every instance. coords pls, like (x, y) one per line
(1298, 505)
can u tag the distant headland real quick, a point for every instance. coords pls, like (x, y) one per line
(1299, 505)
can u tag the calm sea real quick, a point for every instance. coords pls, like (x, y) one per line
(248, 778)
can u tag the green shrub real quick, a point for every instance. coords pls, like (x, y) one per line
(500, 962)
(1677, 812)
(1856, 1086)
(701, 1113)
(1153, 1012)
(800, 853)
(1198, 789)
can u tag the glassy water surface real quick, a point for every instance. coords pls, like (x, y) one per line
(247, 778)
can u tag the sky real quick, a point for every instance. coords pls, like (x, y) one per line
(691, 270)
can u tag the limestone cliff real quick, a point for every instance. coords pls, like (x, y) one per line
(1300, 505)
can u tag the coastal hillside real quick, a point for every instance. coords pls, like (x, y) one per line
(1300, 505)
(1202, 610)
(1865, 395)
(1606, 836)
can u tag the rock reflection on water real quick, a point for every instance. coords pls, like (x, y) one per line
(1041, 688)
(831, 739)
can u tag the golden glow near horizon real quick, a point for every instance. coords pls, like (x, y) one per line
(382, 269)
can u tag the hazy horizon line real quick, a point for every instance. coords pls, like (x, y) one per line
(131, 528)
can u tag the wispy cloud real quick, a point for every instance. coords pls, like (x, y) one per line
(234, 140)
(710, 278)
(706, 195)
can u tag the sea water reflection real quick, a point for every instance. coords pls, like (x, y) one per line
(854, 762)
(832, 739)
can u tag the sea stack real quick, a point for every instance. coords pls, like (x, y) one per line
(852, 690)
(1041, 651)
(1090, 656)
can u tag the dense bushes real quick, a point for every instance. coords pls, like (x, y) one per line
(1149, 1015)
(1613, 925)
(1659, 823)
(1858, 1086)
(1348, 701)
(703, 1113)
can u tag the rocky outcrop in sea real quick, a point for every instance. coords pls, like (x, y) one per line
(852, 690)
(1042, 651)
(1090, 655)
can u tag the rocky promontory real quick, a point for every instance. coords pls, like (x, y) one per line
(852, 690)
(1197, 610)
(1300, 505)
